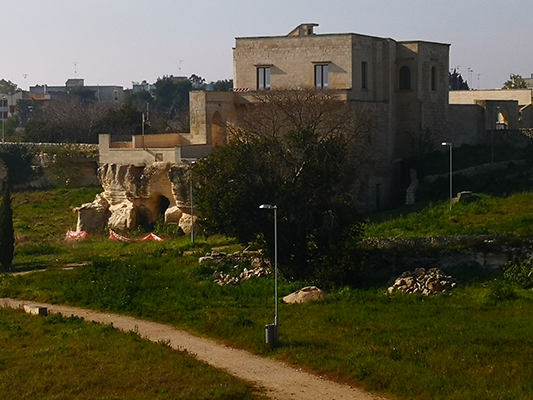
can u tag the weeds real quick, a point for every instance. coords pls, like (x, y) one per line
(64, 358)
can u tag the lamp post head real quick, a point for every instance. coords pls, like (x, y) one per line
(446, 143)
(267, 207)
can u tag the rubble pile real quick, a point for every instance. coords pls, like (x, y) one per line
(226, 279)
(259, 266)
(425, 282)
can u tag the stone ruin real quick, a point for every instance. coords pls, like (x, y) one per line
(259, 266)
(138, 195)
(424, 282)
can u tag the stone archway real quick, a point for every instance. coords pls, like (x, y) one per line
(502, 122)
(162, 205)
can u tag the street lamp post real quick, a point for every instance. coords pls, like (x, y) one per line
(272, 331)
(451, 170)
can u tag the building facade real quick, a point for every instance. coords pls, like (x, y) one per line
(473, 114)
(403, 84)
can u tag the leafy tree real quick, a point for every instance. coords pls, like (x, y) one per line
(172, 94)
(457, 82)
(515, 82)
(7, 232)
(7, 87)
(139, 99)
(299, 150)
(11, 124)
(17, 158)
(197, 81)
(84, 94)
(124, 120)
(222, 85)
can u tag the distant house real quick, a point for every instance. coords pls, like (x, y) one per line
(103, 93)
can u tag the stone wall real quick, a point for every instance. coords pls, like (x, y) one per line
(388, 258)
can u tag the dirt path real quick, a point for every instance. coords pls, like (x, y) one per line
(281, 381)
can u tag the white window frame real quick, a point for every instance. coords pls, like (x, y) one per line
(263, 78)
(322, 76)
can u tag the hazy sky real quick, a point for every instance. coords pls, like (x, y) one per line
(120, 41)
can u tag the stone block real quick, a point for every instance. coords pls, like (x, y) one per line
(37, 310)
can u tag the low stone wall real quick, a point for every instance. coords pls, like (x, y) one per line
(386, 258)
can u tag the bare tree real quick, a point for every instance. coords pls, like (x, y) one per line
(277, 114)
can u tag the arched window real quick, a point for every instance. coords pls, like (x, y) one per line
(405, 78)
(433, 79)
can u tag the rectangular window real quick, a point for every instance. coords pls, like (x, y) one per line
(364, 75)
(263, 78)
(322, 76)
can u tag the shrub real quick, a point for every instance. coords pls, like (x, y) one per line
(520, 273)
(501, 290)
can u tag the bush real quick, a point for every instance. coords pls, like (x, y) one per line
(17, 158)
(520, 273)
(500, 290)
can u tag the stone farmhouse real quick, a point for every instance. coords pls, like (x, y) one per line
(403, 83)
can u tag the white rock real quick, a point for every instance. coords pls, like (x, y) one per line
(304, 295)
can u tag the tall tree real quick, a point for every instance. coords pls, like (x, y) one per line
(7, 232)
(515, 81)
(222, 85)
(457, 82)
(7, 87)
(300, 150)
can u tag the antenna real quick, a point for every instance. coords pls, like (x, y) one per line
(179, 68)
(470, 71)
(25, 76)
(75, 69)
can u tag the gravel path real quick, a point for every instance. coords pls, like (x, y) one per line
(280, 381)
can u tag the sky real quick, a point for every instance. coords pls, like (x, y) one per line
(117, 42)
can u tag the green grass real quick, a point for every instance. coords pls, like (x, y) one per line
(474, 344)
(66, 358)
(486, 215)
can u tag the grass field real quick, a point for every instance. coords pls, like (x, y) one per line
(66, 358)
(474, 344)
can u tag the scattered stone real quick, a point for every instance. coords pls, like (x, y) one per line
(303, 295)
(421, 281)
(258, 266)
